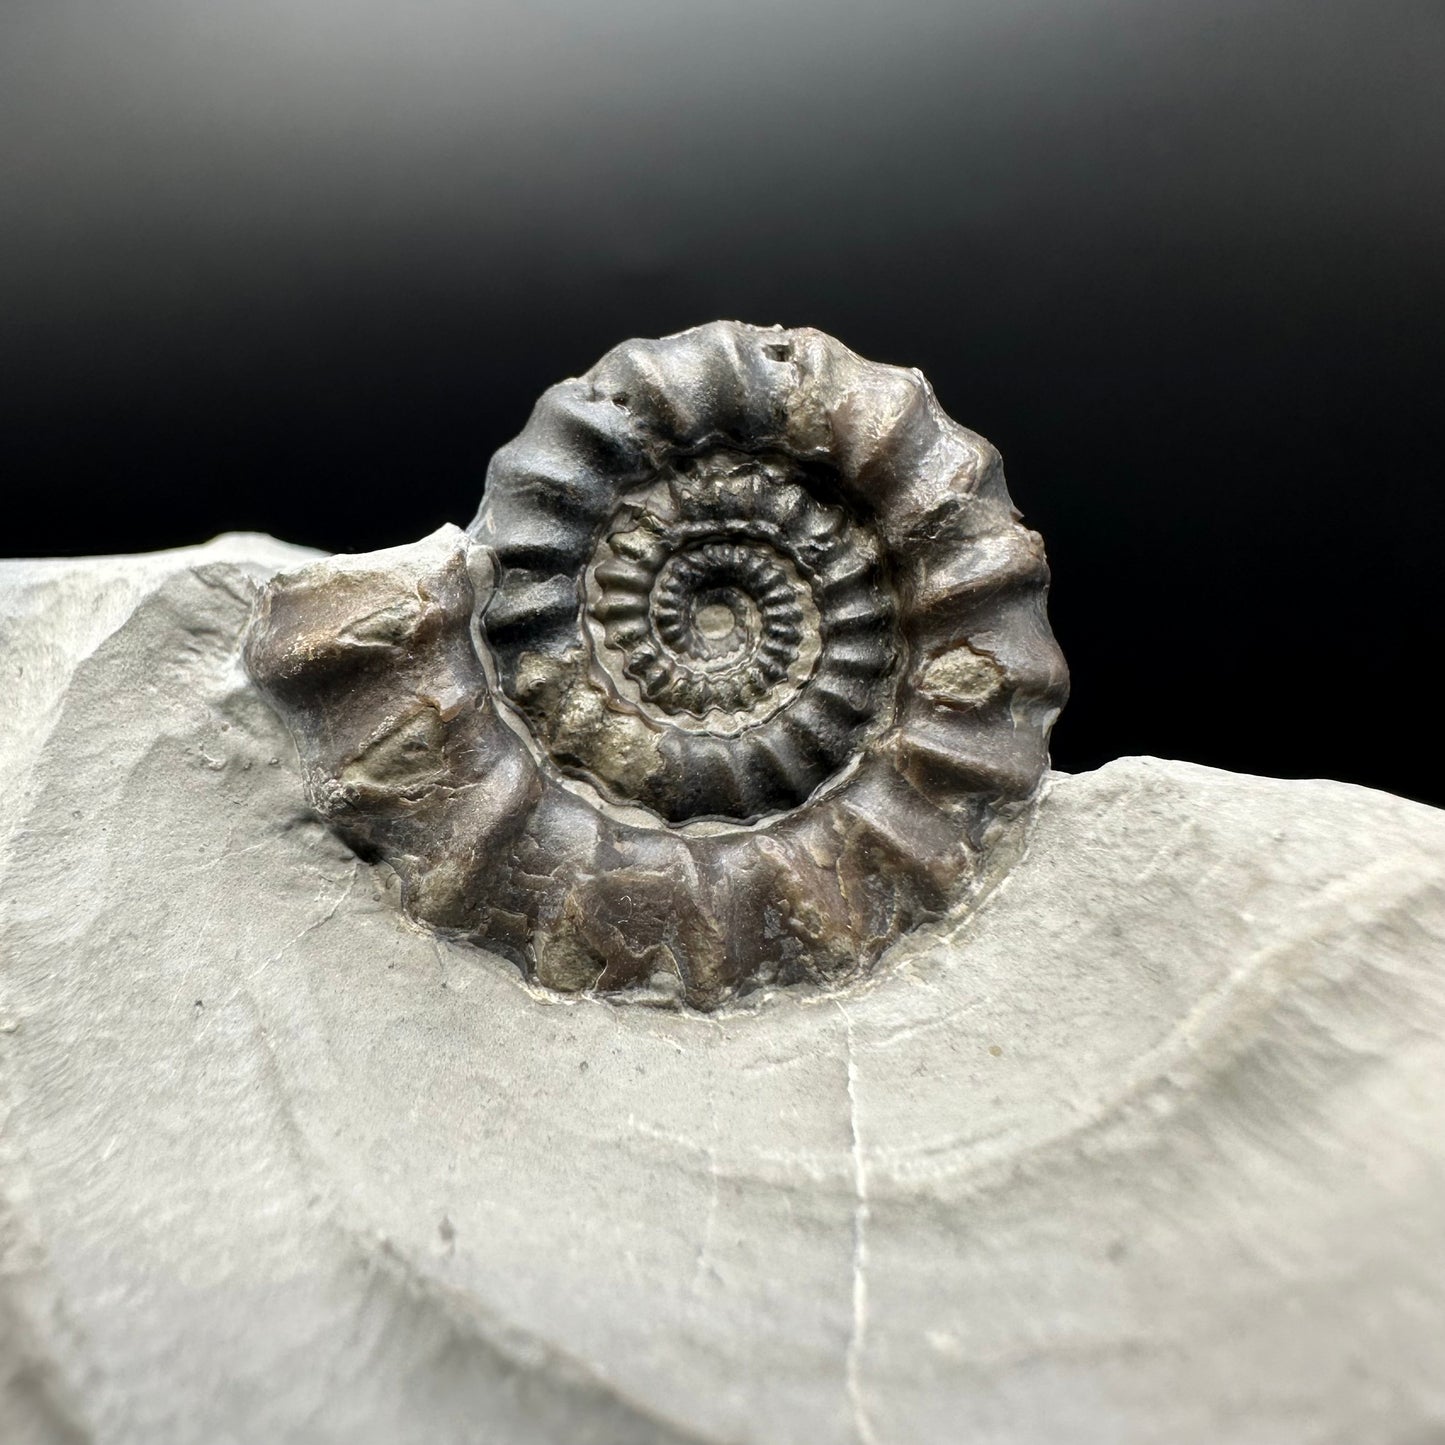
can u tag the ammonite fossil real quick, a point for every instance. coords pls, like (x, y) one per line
(741, 672)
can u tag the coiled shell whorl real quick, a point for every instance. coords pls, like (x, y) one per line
(741, 671)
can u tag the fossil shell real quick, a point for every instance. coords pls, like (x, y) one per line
(741, 671)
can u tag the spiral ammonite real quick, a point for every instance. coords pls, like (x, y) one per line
(734, 642)
(741, 671)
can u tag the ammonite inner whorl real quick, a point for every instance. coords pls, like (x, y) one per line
(735, 645)
(741, 672)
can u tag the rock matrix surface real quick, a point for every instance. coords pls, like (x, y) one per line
(1149, 1147)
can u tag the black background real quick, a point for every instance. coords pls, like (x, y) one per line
(300, 266)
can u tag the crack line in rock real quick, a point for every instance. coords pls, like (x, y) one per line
(858, 1333)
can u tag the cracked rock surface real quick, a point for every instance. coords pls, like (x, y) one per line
(1151, 1147)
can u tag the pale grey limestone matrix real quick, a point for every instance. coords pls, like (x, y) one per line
(1151, 1147)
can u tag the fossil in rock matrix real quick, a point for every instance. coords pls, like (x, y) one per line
(742, 671)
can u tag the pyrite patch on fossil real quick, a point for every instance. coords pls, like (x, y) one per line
(741, 672)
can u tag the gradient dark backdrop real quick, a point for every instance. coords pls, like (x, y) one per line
(299, 266)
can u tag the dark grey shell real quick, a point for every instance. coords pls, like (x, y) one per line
(740, 672)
